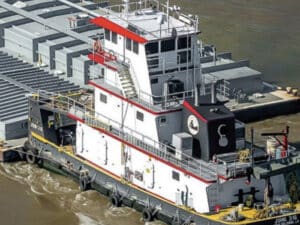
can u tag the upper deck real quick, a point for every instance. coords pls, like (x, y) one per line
(153, 20)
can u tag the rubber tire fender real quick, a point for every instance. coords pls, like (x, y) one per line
(40, 162)
(147, 215)
(84, 183)
(115, 200)
(22, 153)
(31, 157)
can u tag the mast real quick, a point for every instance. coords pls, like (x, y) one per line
(126, 7)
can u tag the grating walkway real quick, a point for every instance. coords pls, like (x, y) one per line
(18, 78)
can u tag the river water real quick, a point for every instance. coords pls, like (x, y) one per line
(266, 32)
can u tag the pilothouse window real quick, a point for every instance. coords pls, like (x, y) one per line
(151, 48)
(168, 45)
(107, 34)
(128, 44)
(114, 37)
(183, 57)
(184, 42)
(135, 47)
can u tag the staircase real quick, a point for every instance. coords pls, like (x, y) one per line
(126, 82)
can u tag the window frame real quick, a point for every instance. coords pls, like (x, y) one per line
(168, 48)
(135, 47)
(175, 175)
(128, 44)
(139, 116)
(107, 34)
(114, 37)
(103, 98)
(153, 49)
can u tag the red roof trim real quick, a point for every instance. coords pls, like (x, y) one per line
(109, 25)
(192, 110)
(131, 102)
(151, 155)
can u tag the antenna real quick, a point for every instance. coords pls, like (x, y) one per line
(126, 6)
(168, 13)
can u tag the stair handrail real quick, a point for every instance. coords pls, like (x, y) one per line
(122, 60)
(133, 75)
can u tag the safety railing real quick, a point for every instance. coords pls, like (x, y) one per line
(209, 171)
(128, 135)
(142, 6)
(120, 61)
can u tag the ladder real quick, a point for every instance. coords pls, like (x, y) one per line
(126, 82)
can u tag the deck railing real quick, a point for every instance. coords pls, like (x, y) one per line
(94, 119)
(207, 170)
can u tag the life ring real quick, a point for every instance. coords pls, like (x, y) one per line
(31, 157)
(115, 200)
(84, 183)
(147, 215)
(27, 145)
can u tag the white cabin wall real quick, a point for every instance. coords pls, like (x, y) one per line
(99, 148)
(118, 106)
(165, 185)
(106, 152)
(111, 77)
(172, 125)
(112, 104)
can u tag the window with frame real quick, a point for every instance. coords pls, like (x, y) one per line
(184, 42)
(107, 34)
(151, 48)
(114, 37)
(128, 44)
(140, 115)
(154, 81)
(103, 98)
(175, 175)
(168, 45)
(183, 57)
(135, 47)
(162, 120)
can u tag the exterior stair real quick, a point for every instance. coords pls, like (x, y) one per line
(126, 82)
